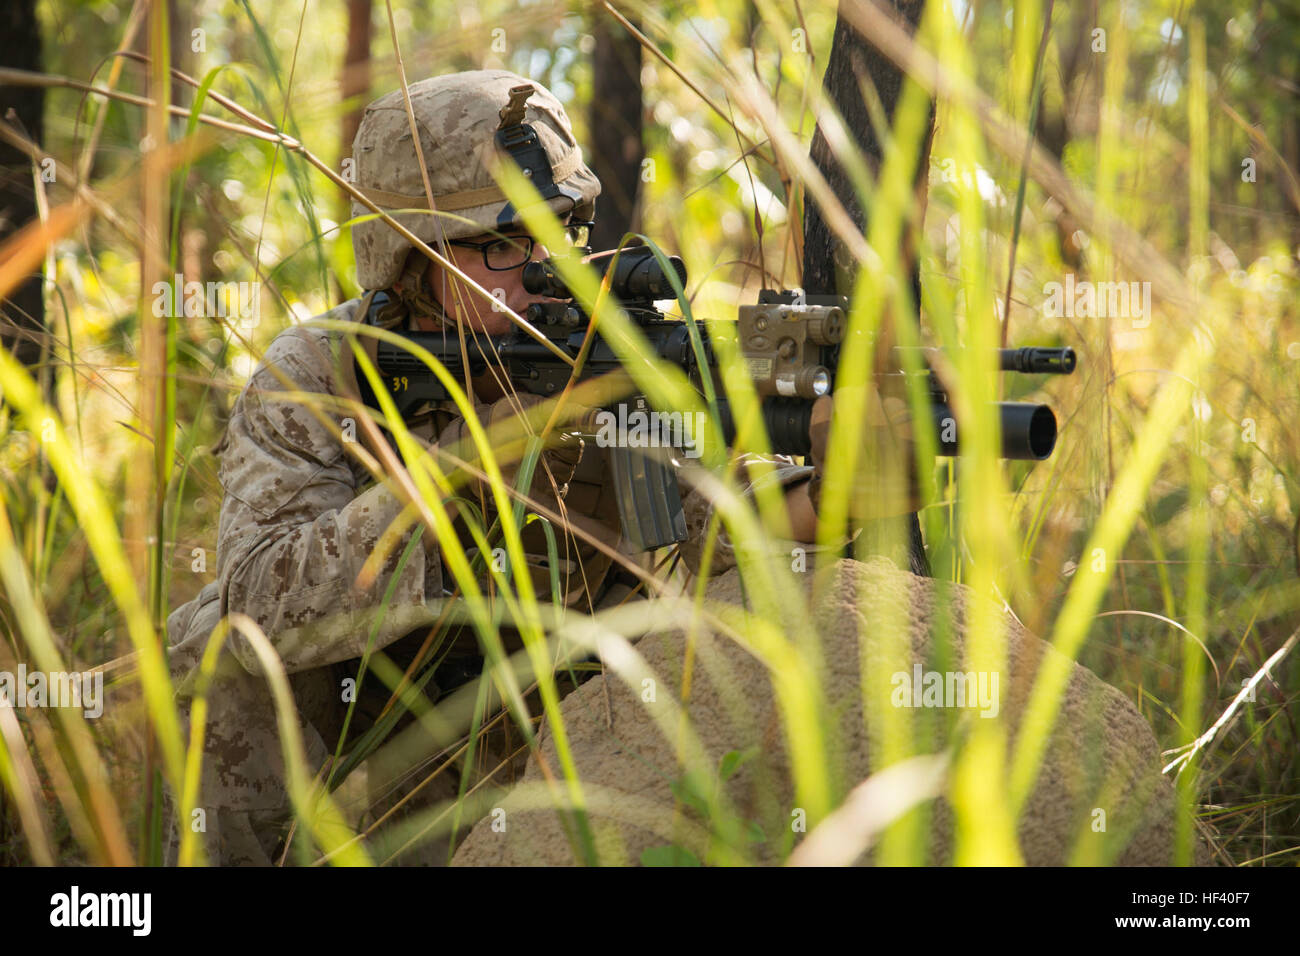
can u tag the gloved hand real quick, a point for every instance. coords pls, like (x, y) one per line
(509, 435)
(885, 480)
(510, 422)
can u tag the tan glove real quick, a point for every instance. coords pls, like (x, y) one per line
(509, 423)
(885, 482)
(508, 436)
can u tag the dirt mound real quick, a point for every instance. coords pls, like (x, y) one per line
(1099, 797)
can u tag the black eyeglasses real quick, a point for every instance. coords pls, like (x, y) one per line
(510, 252)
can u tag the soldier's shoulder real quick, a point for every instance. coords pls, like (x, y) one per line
(302, 356)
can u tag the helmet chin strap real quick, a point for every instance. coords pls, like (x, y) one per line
(412, 297)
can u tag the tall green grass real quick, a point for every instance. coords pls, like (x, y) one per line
(1166, 513)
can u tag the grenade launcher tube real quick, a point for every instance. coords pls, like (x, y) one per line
(1028, 430)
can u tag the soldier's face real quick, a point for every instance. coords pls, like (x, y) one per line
(506, 285)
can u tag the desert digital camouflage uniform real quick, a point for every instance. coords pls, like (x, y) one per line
(301, 514)
(299, 517)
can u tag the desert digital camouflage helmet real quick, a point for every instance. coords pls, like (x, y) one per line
(462, 119)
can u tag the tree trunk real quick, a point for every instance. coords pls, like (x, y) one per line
(22, 315)
(826, 269)
(355, 80)
(615, 135)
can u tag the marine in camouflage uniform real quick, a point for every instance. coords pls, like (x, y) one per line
(301, 514)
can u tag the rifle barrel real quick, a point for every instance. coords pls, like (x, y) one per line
(1037, 361)
(1030, 360)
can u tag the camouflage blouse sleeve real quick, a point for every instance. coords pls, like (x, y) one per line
(699, 508)
(295, 534)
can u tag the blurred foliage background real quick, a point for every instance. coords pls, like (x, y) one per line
(1114, 113)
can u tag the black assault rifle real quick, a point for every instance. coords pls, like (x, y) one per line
(789, 342)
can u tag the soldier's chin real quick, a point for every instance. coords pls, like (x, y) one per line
(498, 324)
(494, 323)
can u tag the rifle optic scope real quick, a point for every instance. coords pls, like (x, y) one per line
(637, 277)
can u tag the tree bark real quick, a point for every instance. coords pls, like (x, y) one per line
(355, 79)
(615, 120)
(826, 267)
(22, 315)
